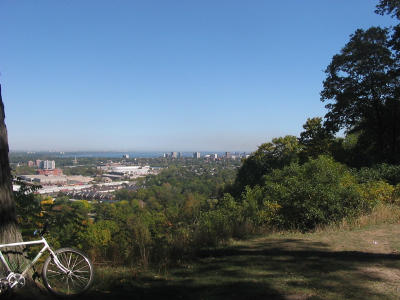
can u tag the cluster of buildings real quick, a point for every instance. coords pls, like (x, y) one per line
(236, 155)
(45, 167)
(102, 192)
(118, 171)
(99, 188)
(50, 179)
(214, 156)
(173, 155)
(42, 164)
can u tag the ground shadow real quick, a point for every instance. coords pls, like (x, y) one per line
(276, 269)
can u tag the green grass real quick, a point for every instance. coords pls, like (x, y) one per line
(338, 262)
(341, 264)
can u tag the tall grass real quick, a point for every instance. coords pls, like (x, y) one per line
(382, 213)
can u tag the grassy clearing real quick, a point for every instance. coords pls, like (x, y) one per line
(352, 260)
(352, 264)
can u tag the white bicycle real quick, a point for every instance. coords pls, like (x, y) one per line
(66, 272)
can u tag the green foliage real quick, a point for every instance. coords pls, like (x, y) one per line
(28, 207)
(81, 170)
(276, 154)
(321, 191)
(68, 221)
(396, 195)
(315, 138)
(382, 172)
(258, 209)
(24, 170)
(218, 224)
(361, 88)
(184, 208)
(375, 192)
(98, 237)
(390, 7)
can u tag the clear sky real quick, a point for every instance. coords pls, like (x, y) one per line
(168, 75)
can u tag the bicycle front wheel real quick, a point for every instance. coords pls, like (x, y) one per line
(76, 277)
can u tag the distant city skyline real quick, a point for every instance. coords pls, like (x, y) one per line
(168, 76)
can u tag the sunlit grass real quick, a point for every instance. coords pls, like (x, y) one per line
(357, 263)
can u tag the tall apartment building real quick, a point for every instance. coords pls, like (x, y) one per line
(196, 155)
(47, 164)
(174, 154)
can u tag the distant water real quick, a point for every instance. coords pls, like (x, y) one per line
(112, 154)
(120, 154)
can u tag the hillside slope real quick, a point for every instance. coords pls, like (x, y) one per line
(336, 264)
(357, 264)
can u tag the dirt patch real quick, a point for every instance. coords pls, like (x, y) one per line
(384, 274)
(297, 297)
(384, 239)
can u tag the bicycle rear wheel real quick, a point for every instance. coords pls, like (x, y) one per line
(75, 281)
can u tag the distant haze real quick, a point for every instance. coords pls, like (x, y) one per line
(167, 75)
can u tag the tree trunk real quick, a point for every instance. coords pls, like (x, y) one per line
(9, 232)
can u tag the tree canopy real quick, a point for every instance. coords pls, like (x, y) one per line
(361, 89)
(390, 7)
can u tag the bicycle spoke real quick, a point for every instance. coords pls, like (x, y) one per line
(77, 270)
(82, 281)
(69, 261)
(76, 259)
(67, 285)
(74, 283)
(78, 278)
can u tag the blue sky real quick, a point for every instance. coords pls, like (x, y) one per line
(167, 75)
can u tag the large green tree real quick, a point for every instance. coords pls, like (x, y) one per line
(362, 94)
(391, 7)
(276, 154)
(315, 138)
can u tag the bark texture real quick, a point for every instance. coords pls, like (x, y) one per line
(9, 232)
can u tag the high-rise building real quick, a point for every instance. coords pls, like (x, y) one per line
(228, 155)
(174, 154)
(47, 164)
(196, 155)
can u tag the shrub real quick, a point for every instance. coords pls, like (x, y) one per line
(377, 191)
(258, 210)
(319, 192)
(382, 172)
(219, 224)
(396, 194)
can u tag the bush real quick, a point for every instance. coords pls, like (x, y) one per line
(218, 224)
(383, 172)
(375, 192)
(257, 210)
(319, 192)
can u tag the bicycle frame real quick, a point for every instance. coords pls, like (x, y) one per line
(46, 247)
